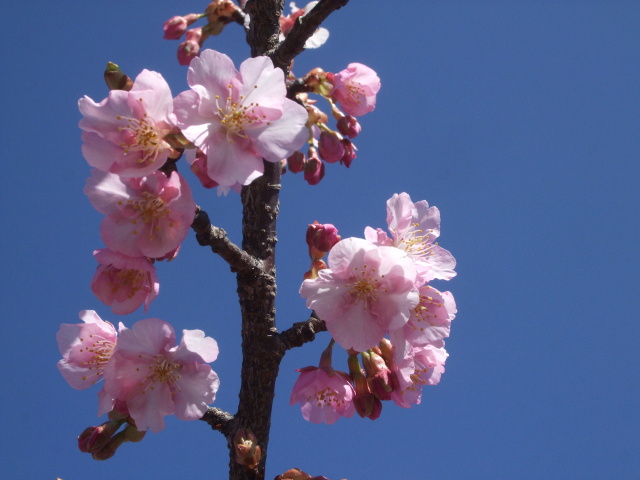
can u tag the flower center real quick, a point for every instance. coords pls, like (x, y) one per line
(101, 350)
(416, 242)
(142, 136)
(130, 280)
(149, 207)
(325, 397)
(163, 371)
(365, 288)
(236, 117)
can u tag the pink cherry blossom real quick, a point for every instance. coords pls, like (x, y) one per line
(124, 133)
(355, 89)
(424, 366)
(237, 118)
(154, 377)
(366, 291)
(86, 349)
(319, 37)
(148, 216)
(324, 394)
(124, 283)
(414, 228)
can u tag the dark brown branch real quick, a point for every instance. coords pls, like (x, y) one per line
(264, 30)
(302, 332)
(220, 420)
(302, 30)
(216, 238)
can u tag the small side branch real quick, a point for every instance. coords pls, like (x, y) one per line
(301, 332)
(220, 420)
(302, 30)
(216, 238)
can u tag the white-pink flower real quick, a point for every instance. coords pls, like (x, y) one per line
(414, 228)
(124, 133)
(366, 291)
(154, 377)
(124, 283)
(237, 118)
(86, 349)
(355, 89)
(148, 216)
(423, 366)
(324, 395)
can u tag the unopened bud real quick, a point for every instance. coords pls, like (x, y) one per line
(296, 162)
(330, 147)
(349, 152)
(175, 27)
(187, 51)
(293, 474)
(314, 168)
(321, 238)
(349, 126)
(247, 449)
(115, 79)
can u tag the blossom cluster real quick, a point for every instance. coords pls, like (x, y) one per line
(375, 298)
(145, 374)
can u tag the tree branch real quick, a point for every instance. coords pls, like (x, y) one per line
(302, 30)
(216, 238)
(220, 420)
(301, 332)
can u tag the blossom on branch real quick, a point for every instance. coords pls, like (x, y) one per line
(154, 377)
(355, 89)
(237, 118)
(86, 349)
(366, 291)
(414, 228)
(145, 217)
(124, 133)
(124, 283)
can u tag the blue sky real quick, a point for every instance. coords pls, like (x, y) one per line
(520, 120)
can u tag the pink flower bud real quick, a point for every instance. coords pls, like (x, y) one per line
(296, 162)
(93, 439)
(174, 28)
(321, 238)
(349, 152)
(187, 51)
(382, 381)
(330, 147)
(349, 126)
(314, 169)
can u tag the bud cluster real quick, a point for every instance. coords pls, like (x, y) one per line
(350, 93)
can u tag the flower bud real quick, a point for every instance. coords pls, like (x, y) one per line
(247, 449)
(293, 474)
(296, 162)
(314, 169)
(187, 51)
(380, 378)
(349, 152)
(364, 400)
(93, 439)
(321, 238)
(349, 126)
(330, 147)
(175, 27)
(115, 79)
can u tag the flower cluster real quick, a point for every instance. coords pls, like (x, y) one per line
(145, 374)
(351, 93)
(376, 301)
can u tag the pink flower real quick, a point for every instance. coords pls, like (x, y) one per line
(86, 349)
(355, 89)
(319, 37)
(145, 217)
(366, 291)
(237, 118)
(124, 133)
(124, 283)
(175, 27)
(156, 378)
(423, 366)
(414, 228)
(324, 394)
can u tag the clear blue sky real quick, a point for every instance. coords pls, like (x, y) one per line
(520, 120)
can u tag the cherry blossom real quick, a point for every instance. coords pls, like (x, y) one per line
(366, 291)
(414, 228)
(124, 133)
(148, 216)
(237, 118)
(324, 394)
(124, 283)
(424, 366)
(154, 377)
(86, 349)
(355, 89)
